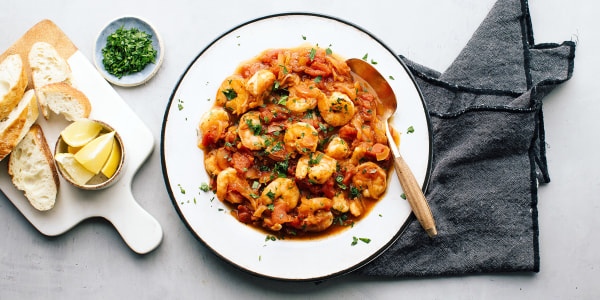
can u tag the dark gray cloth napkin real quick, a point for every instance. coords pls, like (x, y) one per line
(488, 152)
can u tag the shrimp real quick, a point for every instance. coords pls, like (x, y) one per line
(251, 132)
(301, 137)
(340, 203)
(260, 84)
(233, 95)
(281, 189)
(283, 194)
(211, 164)
(302, 98)
(315, 214)
(337, 110)
(337, 148)
(356, 207)
(370, 179)
(357, 154)
(231, 187)
(212, 126)
(317, 166)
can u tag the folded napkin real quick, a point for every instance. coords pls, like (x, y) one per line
(488, 152)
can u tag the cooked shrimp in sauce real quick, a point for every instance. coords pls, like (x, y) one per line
(294, 145)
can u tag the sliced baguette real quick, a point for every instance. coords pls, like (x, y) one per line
(64, 99)
(13, 80)
(47, 66)
(32, 169)
(18, 122)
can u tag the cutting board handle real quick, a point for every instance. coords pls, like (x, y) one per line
(140, 230)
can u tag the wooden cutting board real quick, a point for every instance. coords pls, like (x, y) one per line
(141, 232)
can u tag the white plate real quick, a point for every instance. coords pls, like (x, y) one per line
(208, 218)
(145, 74)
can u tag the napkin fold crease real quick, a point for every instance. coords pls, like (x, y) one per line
(488, 152)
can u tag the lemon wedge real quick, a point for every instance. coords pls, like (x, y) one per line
(74, 169)
(113, 161)
(80, 132)
(93, 156)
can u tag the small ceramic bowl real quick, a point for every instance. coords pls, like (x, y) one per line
(137, 78)
(99, 181)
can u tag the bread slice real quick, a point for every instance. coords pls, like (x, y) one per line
(64, 99)
(32, 169)
(47, 66)
(13, 80)
(18, 122)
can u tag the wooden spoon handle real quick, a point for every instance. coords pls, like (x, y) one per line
(415, 196)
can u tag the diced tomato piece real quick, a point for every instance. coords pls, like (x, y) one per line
(318, 69)
(279, 214)
(349, 173)
(379, 151)
(328, 189)
(209, 138)
(348, 132)
(244, 214)
(242, 161)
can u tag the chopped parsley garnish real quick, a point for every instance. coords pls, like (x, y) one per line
(410, 129)
(313, 51)
(271, 195)
(391, 77)
(318, 78)
(365, 57)
(281, 166)
(277, 147)
(313, 161)
(127, 51)
(256, 129)
(403, 196)
(204, 187)
(181, 189)
(355, 240)
(373, 62)
(340, 219)
(283, 100)
(328, 51)
(230, 94)
(308, 115)
(322, 127)
(285, 70)
(270, 207)
(354, 192)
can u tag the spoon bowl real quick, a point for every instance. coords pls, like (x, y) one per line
(386, 107)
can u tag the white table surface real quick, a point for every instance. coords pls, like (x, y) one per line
(92, 261)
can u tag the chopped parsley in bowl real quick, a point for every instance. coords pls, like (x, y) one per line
(128, 51)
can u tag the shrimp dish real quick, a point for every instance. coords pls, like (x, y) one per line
(294, 145)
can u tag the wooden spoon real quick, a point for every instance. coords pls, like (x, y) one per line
(409, 184)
